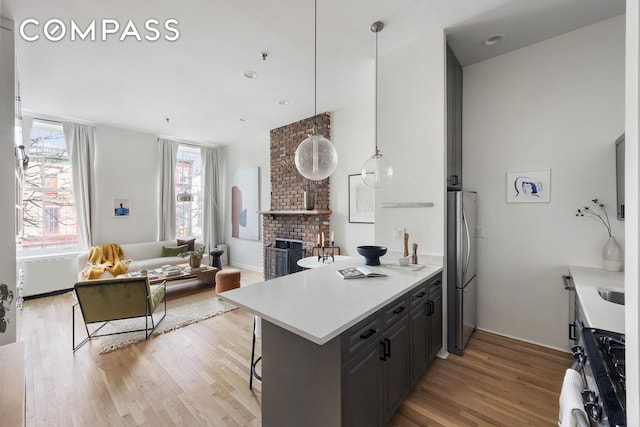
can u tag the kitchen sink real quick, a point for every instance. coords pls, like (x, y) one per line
(616, 297)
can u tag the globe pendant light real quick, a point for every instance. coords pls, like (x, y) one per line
(316, 157)
(376, 171)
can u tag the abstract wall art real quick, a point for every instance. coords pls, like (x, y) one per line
(245, 220)
(532, 186)
(361, 201)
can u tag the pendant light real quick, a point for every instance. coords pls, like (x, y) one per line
(377, 170)
(316, 157)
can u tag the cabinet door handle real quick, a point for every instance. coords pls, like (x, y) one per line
(383, 351)
(368, 334)
(429, 308)
(387, 351)
(454, 179)
(568, 283)
(572, 331)
(398, 310)
(420, 294)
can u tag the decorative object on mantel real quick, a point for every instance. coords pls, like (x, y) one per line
(612, 256)
(316, 157)
(407, 205)
(309, 195)
(377, 170)
(361, 201)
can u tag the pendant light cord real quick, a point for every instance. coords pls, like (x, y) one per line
(315, 66)
(375, 136)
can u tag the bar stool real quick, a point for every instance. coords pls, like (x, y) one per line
(257, 333)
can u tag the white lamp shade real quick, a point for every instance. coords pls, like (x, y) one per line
(376, 171)
(316, 157)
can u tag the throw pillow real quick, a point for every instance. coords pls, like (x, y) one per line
(191, 243)
(174, 250)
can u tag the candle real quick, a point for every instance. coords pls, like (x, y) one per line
(318, 239)
(332, 235)
(323, 239)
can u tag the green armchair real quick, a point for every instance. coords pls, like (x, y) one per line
(104, 300)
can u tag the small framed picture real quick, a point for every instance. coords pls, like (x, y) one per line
(361, 201)
(121, 208)
(532, 186)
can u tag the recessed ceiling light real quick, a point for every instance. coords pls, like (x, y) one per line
(250, 74)
(493, 39)
(243, 120)
(283, 102)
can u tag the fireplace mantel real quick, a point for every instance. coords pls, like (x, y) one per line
(315, 212)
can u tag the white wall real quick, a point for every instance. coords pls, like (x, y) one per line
(7, 170)
(411, 135)
(352, 131)
(245, 155)
(632, 109)
(127, 165)
(557, 104)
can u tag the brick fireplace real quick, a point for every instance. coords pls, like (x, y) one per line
(288, 218)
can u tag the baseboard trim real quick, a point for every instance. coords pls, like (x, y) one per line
(47, 294)
(563, 350)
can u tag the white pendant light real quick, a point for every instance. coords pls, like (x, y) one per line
(316, 157)
(376, 171)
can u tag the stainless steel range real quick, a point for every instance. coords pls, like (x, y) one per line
(600, 359)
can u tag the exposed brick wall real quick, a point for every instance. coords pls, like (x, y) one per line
(288, 186)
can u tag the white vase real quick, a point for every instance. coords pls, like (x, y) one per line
(612, 255)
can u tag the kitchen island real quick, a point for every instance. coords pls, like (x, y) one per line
(320, 333)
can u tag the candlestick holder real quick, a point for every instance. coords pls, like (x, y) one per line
(324, 255)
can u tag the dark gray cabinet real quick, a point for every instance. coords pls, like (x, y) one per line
(385, 354)
(425, 325)
(454, 122)
(434, 314)
(363, 389)
(376, 366)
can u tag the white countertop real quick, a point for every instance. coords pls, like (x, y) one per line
(319, 305)
(600, 314)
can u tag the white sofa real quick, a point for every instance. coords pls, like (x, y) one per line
(147, 255)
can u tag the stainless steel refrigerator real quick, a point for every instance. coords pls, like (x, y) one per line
(461, 268)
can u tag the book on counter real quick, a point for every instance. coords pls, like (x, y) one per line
(358, 273)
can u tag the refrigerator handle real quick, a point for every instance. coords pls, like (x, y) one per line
(466, 230)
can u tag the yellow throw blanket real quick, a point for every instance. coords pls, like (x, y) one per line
(105, 257)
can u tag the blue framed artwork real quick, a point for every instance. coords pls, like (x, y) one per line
(532, 186)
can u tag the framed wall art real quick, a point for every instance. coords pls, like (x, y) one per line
(245, 220)
(361, 201)
(533, 186)
(121, 208)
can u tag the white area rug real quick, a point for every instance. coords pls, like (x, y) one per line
(180, 312)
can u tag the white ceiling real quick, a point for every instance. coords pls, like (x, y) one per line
(197, 81)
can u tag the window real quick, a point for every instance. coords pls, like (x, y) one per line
(188, 181)
(48, 208)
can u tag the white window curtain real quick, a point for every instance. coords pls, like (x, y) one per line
(213, 233)
(80, 142)
(169, 153)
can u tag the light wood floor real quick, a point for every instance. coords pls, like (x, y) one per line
(198, 376)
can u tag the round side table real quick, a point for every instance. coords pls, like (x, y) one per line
(215, 255)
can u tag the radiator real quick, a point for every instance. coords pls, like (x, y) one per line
(41, 276)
